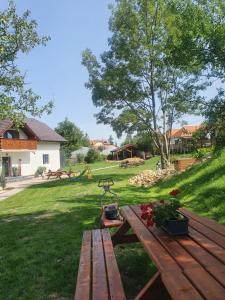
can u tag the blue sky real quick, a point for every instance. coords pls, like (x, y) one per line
(55, 71)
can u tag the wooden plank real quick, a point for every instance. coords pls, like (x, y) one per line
(219, 228)
(83, 286)
(152, 290)
(128, 239)
(99, 281)
(114, 279)
(178, 288)
(158, 254)
(206, 231)
(218, 273)
(204, 282)
(187, 262)
(207, 244)
(200, 254)
(122, 230)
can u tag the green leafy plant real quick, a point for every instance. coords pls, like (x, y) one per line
(80, 157)
(91, 156)
(40, 171)
(2, 178)
(158, 213)
(15, 171)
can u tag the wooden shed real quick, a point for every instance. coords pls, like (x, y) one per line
(125, 151)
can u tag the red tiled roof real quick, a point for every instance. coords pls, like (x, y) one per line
(185, 131)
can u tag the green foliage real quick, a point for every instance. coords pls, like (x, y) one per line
(92, 156)
(197, 35)
(134, 85)
(40, 171)
(74, 136)
(2, 178)
(17, 35)
(80, 157)
(203, 152)
(165, 212)
(15, 171)
(111, 140)
(215, 118)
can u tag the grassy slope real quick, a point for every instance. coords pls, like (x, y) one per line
(202, 186)
(41, 227)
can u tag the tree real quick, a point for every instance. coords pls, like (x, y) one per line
(215, 118)
(198, 36)
(74, 136)
(17, 35)
(91, 156)
(111, 140)
(135, 86)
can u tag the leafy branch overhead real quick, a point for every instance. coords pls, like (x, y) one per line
(17, 35)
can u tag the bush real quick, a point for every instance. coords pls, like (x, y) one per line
(110, 156)
(15, 171)
(91, 156)
(203, 152)
(80, 157)
(40, 171)
(2, 179)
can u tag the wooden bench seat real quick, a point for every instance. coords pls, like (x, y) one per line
(98, 275)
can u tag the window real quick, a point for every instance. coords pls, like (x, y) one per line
(11, 134)
(45, 159)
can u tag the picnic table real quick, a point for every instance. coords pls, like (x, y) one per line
(189, 267)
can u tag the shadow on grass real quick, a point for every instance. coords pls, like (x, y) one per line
(41, 253)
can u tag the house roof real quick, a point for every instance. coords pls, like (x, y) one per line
(122, 148)
(39, 129)
(185, 132)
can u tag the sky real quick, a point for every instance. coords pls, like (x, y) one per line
(55, 72)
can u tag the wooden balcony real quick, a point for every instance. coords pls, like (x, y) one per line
(17, 144)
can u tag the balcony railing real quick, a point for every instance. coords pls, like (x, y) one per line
(17, 144)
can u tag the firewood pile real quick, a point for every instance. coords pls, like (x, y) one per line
(131, 162)
(148, 177)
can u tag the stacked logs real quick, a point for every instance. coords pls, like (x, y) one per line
(148, 177)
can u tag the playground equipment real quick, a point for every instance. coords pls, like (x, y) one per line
(110, 216)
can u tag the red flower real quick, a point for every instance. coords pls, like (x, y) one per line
(150, 222)
(144, 215)
(175, 192)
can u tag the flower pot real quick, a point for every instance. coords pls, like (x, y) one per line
(176, 227)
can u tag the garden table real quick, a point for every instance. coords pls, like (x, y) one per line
(189, 267)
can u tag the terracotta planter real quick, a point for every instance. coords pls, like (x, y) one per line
(176, 227)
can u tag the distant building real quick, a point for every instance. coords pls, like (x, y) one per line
(181, 138)
(33, 145)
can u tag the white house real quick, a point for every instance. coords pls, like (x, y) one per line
(34, 145)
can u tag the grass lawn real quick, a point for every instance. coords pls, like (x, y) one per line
(41, 227)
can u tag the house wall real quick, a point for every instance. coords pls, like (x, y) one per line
(22, 135)
(30, 161)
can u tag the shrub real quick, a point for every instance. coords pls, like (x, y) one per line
(2, 178)
(40, 171)
(15, 171)
(91, 156)
(203, 152)
(110, 156)
(80, 157)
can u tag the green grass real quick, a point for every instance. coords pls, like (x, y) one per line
(41, 227)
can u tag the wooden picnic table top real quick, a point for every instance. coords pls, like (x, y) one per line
(191, 266)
